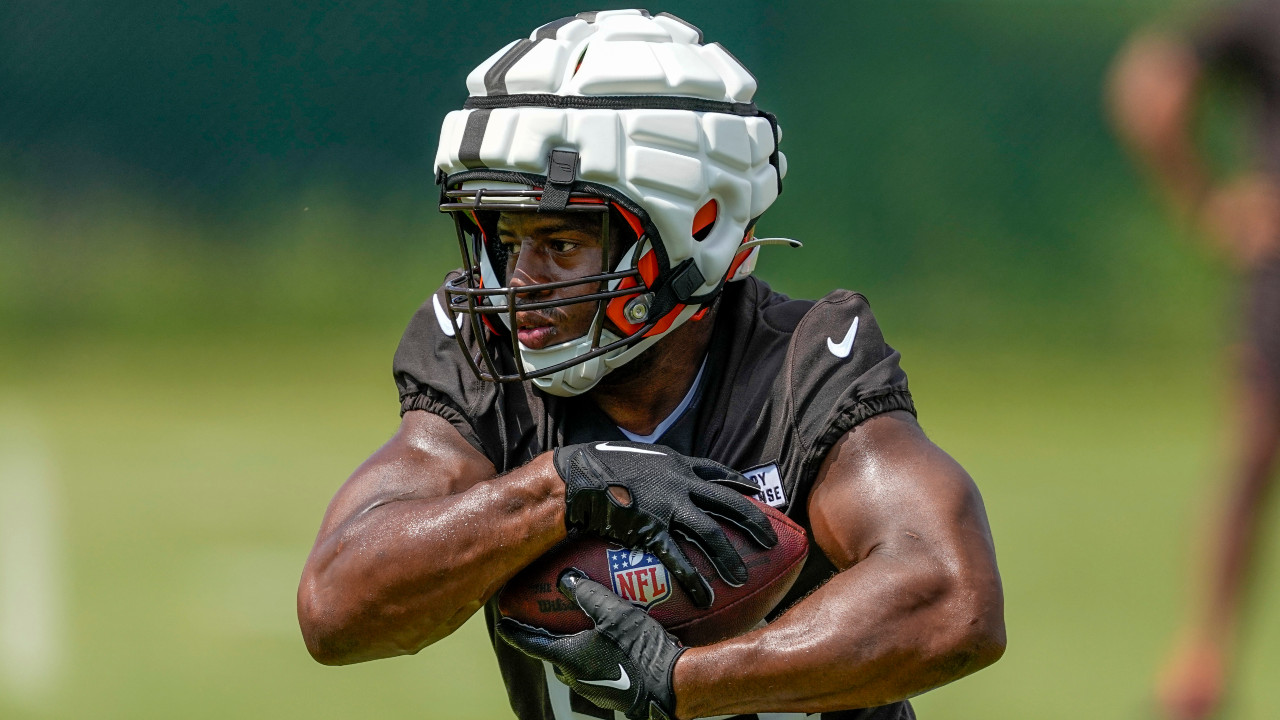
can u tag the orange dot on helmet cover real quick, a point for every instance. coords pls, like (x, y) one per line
(704, 220)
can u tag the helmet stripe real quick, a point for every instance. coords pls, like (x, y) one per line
(472, 137)
(495, 80)
(548, 31)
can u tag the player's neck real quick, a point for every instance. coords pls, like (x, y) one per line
(639, 400)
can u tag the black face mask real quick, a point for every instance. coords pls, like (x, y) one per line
(482, 294)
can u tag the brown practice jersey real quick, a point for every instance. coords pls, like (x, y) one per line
(783, 381)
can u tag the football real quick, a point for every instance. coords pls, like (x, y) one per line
(532, 598)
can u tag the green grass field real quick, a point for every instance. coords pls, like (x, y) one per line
(184, 479)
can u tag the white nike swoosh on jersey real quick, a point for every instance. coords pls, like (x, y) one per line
(613, 448)
(842, 350)
(442, 317)
(622, 683)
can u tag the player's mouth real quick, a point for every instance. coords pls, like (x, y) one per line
(535, 332)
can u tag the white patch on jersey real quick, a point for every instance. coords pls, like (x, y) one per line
(442, 317)
(842, 350)
(769, 480)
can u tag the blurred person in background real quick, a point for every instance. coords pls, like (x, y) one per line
(1153, 89)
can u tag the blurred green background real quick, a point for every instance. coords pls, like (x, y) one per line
(215, 219)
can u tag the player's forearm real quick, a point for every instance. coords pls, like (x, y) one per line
(879, 632)
(401, 575)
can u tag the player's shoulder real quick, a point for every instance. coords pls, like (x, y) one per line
(429, 326)
(805, 345)
(429, 358)
(780, 313)
(434, 373)
(803, 373)
(837, 340)
(834, 324)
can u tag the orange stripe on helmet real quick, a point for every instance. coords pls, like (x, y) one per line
(666, 322)
(704, 219)
(648, 267)
(631, 219)
(614, 310)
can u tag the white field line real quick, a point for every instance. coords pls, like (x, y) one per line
(31, 574)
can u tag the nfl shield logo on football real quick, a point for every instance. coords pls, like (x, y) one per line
(638, 577)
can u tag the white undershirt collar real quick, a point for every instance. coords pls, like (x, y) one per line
(673, 417)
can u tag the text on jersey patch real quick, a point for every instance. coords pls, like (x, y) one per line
(769, 480)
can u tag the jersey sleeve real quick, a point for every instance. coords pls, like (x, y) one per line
(839, 372)
(432, 374)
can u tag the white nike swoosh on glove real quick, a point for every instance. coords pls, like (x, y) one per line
(842, 350)
(622, 683)
(613, 448)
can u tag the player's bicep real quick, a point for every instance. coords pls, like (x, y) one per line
(885, 487)
(426, 458)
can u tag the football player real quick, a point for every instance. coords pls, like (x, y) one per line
(1154, 89)
(606, 363)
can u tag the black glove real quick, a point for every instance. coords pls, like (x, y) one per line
(624, 664)
(662, 491)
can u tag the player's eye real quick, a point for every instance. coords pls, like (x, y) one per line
(562, 246)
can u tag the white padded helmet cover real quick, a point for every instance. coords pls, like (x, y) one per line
(669, 162)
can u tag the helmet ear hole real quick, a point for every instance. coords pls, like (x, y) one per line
(704, 220)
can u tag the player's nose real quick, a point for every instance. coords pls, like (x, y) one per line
(535, 267)
(528, 270)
